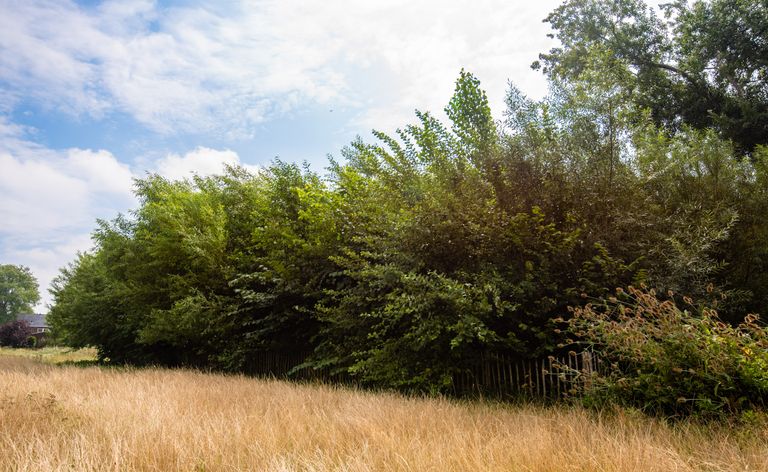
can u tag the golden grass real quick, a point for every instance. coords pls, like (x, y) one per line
(56, 418)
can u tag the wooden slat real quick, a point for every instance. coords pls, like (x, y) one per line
(500, 375)
(493, 374)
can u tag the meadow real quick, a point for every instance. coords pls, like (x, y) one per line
(53, 354)
(74, 418)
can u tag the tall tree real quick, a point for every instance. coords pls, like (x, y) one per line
(703, 64)
(19, 291)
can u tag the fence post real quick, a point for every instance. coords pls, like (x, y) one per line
(587, 368)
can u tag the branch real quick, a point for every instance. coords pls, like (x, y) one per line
(660, 65)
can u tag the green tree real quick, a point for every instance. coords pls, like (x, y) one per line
(19, 291)
(704, 64)
(446, 254)
(293, 237)
(91, 308)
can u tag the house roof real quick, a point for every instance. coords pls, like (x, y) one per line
(35, 320)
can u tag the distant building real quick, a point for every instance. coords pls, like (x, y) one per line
(37, 323)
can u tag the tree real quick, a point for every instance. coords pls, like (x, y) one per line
(90, 308)
(15, 334)
(705, 64)
(19, 291)
(431, 248)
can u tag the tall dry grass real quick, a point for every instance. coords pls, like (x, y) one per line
(66, 418)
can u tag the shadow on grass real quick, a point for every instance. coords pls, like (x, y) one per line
(84, 363)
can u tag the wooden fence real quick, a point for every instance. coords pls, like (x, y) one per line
(286, 365)
(502, 375)
(493, 375)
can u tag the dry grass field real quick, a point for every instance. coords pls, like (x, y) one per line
(55, 418)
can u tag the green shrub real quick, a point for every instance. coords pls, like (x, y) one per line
(666, 360)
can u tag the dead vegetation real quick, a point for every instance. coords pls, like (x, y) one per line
(71, 418)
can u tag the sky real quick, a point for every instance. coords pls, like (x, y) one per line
(94, 94)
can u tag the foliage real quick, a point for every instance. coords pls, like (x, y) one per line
(90, 309)
(703, 64)
(15, 334)
(420, 252)
(18, 291)
(664, 359)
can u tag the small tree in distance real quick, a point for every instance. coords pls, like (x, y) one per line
(15, 334)
(19, 291)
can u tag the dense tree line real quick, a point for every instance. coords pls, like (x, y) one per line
(418, 252)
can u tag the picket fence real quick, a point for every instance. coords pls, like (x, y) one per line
(492, 375)
(503, 375)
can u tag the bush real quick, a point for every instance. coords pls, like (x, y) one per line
(40, 342)
(666, 360)
(15, 333)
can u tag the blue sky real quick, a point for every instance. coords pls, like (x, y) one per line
(96, 93)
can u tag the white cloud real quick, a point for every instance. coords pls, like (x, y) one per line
(46, 260)
(201, 161)
(49, 201)
(45, 190)
(418, 48)
(47, 49)
(101, 172)
(193, 69)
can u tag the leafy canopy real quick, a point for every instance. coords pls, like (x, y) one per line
(703, 63)
(18, 291)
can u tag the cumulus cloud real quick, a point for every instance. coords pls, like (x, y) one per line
(201, 161)
(45, 190)
(414, 50)
(197, 68)
(51, 199)
(45, 260)
(173, 69)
